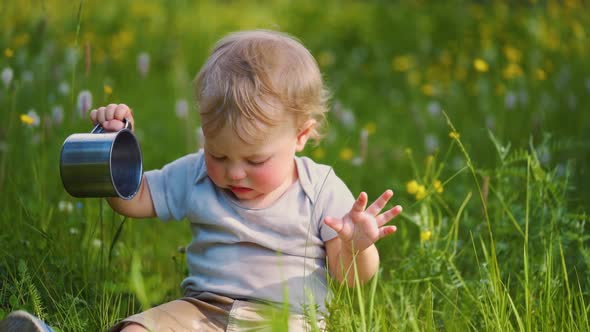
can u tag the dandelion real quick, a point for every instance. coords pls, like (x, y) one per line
(480, 65)
(318, 153)
(84, 102)
(512, 70)
(26, 119)
(454, 135)
(540, 74)
(7, 76)
(326, 58)
(108, 90)
(438, 187)
(428, 89)
(512, 54)
(346, 154)
(182, 108)
(65, 206)
(143, 63)
(425, 235)
(57, 114)
(412, 187)
(30, 119)
(370, 127)
(8, 52)
(63, 88)
(420, 192)
(402, 63)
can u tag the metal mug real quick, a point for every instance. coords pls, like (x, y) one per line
(101, 164)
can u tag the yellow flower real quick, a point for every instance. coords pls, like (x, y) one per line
(480, 65)
(511, 71)
(454, 135)
(318, 153)
(370, 127)
(540, 74)
(346, 154)
(108, 89)
(438, 187)
(412, 187)
(402, 63)
(421, 192)
(326, 58)
(512, 54)
(27, 119)
(428, 90)
(8, 53)
(425, 235)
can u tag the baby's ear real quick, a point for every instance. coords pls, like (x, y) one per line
(303, 134)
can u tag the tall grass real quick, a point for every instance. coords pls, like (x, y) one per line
(494, 231)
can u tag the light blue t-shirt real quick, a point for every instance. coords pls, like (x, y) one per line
(259, 254)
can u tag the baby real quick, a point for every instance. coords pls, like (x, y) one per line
(267, 225)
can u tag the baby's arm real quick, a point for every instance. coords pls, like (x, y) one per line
(111, 119)
(357, 231)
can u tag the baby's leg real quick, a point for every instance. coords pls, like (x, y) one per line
(134, 328)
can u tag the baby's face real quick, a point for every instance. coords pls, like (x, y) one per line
(254, 173)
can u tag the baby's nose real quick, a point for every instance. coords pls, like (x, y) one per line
(236, 173)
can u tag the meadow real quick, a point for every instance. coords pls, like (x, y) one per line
(474, 112)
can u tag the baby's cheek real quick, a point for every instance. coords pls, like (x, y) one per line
(267, 177)
(215, 172)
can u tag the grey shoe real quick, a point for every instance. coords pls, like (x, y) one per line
(22, 321)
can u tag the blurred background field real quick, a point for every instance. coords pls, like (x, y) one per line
(494, 235)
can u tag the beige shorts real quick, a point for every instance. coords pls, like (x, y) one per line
(212, 312)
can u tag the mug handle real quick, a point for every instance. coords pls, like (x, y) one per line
(98, 129)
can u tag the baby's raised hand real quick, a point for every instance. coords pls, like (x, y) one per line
(111, 117)
(361, 227)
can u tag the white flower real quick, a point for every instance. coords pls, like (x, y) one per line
(84, 102)
(96, 243)
(431, 143)
(27, 76)
(7, 76)
(433, 108)
(143, 63)
(63, 88)
(510, 100)
(364, 143)
(57, 114)
(182, 108)
(74, 231)
(65, 206)
(36, 120)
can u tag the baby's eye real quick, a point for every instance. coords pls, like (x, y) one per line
(217, 157)
(257, 162)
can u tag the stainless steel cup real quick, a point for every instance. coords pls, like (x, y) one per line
(101, 164)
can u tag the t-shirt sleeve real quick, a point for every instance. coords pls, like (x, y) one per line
(170, 186)
(335, 200)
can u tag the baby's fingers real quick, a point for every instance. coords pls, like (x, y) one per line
(380, 202)
(387, 230)
(386, 216)
(361, 202)
(344, 231)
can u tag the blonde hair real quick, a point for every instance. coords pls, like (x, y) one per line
(253, 78)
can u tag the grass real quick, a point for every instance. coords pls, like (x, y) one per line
(494, 231)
